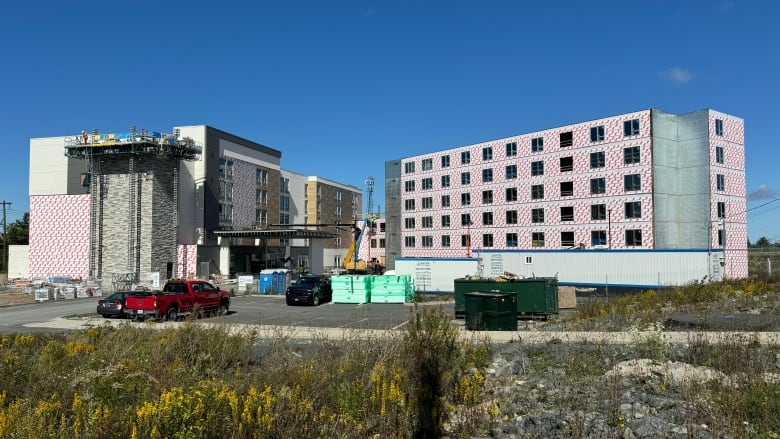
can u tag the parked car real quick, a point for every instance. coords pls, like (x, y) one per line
(113, 305)
(309, 289)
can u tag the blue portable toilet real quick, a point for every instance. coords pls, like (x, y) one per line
(273, 281)
(281, 280)
(265, 281)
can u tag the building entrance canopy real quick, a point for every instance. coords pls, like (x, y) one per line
(276, 234)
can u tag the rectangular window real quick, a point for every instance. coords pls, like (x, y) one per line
(465, 240)
(445, 240)
(511, 217)
(567, 139)
(409, 204)
(465, 199)
(597, 133)
(409, 223)
(719, 154)
(465, 178)
(465, 219)
(598, 237)
(537, 215)
(537, 168)
(631, 127)
(567, 188)
(427, 183)
(445, 201)
(445, 220)
(427, 241)
(632, 182)
(445, 161)
(427, 203)
(634, 209)
(408, 167)
(487, 218)
(487, 240)
(409, 186)
(598, 185)
(445, 181)
(598, 212)
(567, 164)
(427, 164)
(537, 192)
(511, 149)
(631, 155)
(537, 239)
(720, 182)
(721, 237)
(511, 172)
(487, 153)
(511, 194)
(487, 197)
(409, 241)
(427, 222)
(537, 144)
(465, 157)
(567, 213)
(567, 239)
(718, 127)
(511, 240)
(487, 175)
(633, 237)
(721, 209)
(597, 159)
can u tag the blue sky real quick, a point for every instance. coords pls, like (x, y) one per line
(340, 87)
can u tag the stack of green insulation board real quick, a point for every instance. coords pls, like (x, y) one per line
(392, 289)
(351, 288)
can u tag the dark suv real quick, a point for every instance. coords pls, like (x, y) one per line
(309, 289)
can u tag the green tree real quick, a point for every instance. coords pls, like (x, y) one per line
(18, 232)
(763, 242)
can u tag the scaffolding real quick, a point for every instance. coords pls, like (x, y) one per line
(136, 146)
(91, 147)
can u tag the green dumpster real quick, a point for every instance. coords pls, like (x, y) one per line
(491, 311)
(536, 297)
(463, 286)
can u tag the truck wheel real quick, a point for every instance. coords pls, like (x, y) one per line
(222, 309)
(171, 315)
(315, 299)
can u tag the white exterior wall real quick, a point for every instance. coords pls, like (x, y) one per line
(625, 268)
(297, 188)
(192, 175)
(51, 172)
(18, 261)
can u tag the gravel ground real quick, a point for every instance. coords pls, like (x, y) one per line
(645, 388)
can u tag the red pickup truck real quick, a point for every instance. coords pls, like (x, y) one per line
(177, 298)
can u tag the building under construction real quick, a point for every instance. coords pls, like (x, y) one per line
(133, 182)
(196, 202)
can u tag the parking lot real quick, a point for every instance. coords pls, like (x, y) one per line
(273, 311)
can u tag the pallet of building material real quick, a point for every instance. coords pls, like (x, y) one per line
(351, 289)
(567, 297)
(392, 289)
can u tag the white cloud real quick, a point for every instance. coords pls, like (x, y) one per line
(762, 192)
(678, 75)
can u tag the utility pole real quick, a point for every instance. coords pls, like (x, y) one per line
(5, 239)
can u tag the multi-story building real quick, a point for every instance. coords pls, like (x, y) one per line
(119, 207)
(642, 181)
(320, 204)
